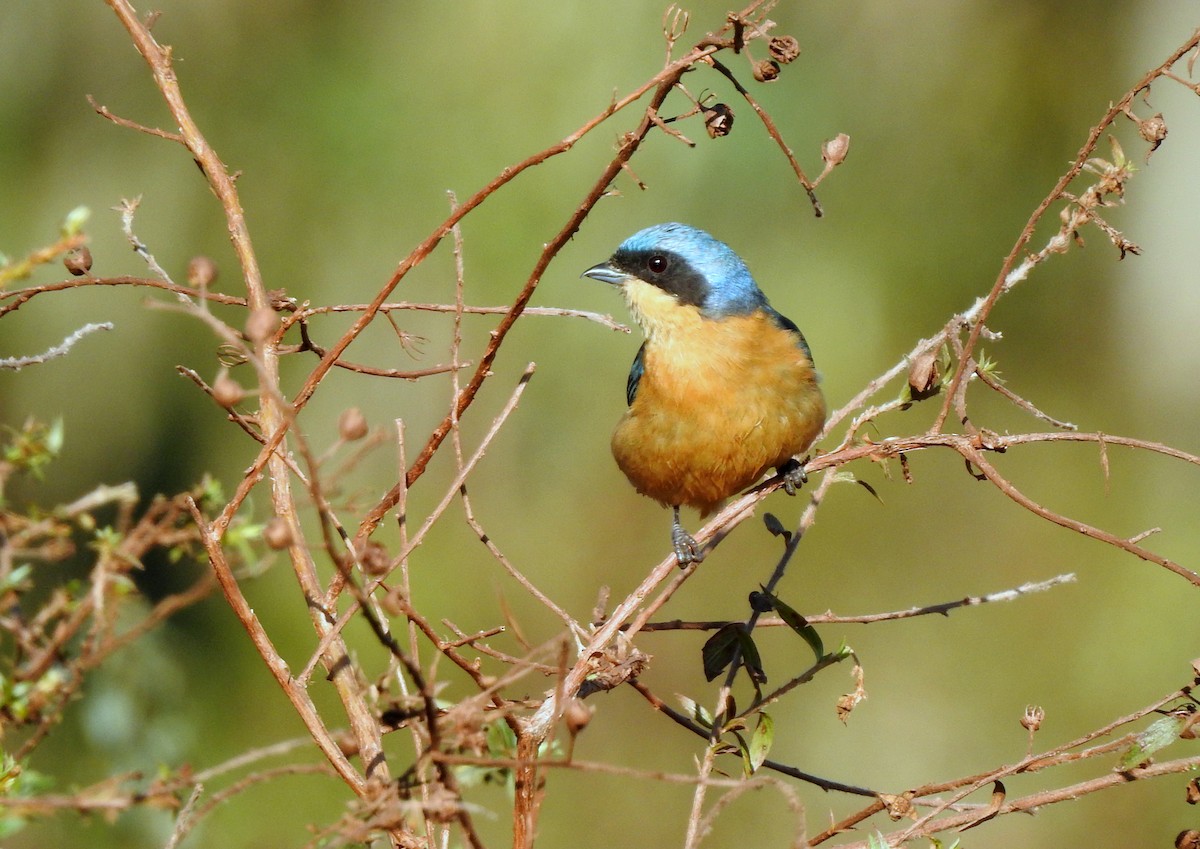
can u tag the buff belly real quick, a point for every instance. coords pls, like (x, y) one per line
(718, 405)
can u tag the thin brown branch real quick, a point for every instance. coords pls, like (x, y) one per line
(972, 449)
(941, 609)
(1077, 166)
(242, 785)
(22, 296)
(275, 417)
(976, 457)
(702, 732)
(1023, 403)
(598, 318)
(161, 612)
(299, 698)
(773, 132)
(1065, 753)
(60, 350)
(22, 268)
(1040, 799)
(427, 698)
(104, 112)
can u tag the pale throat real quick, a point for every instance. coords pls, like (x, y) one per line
(656, 311)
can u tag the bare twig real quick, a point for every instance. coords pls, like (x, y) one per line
(274, 418)
(1008, 267)
(942, 609)
(299, 698)
(60, 350)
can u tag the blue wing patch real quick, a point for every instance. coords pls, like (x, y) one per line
(635, 375)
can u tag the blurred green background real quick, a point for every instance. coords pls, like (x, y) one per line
(350, 122)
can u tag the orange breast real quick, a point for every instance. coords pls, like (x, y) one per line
(720, 403)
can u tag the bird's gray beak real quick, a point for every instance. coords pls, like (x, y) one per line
(605, 273)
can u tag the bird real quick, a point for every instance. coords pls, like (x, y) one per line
(722, 389)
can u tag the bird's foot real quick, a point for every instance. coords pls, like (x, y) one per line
(687, 550)
(794, 476)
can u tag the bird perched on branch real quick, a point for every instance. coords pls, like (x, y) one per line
(723, 388)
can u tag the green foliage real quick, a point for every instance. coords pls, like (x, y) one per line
(75, 220)
(29, 449)
(937, 844)
(797, 623)
(760, 743)
(697, 712)
(18, 781)
(732, 643)
(988, 366)
(1160, 734)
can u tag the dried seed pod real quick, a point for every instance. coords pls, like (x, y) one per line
(577, 715)
(834, 151)
(201, 271)
(261, 324)
(1031, 720)
(783, 48)
(898, 806)
(227, 391)
(352, 424)
(375, 560)
(1153, 130)
(718, 120)
(766, 70)
(78, 261)
(1193, 792)
(277, 535)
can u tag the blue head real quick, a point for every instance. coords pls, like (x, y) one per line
(688, 264)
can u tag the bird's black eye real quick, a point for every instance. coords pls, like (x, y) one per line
(657, 263)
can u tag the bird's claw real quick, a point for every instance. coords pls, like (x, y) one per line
(687, 550)
(794, 476)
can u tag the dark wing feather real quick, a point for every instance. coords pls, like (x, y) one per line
(635, 375)
(787, 324)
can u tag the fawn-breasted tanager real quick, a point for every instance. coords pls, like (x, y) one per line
(723, 388)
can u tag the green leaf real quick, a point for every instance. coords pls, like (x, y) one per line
(743, 750)
(501, 740)
(469, 775)
(697, 712)
(75, 220)
(10, 825)
(1161, 733)
(761, 740)
(720, 649)
(988, 366)
(798, 624)
(937, 844)
(730, 642)
(870, 489)
(775, 527)
(34, 446)
(211, 492)
(54, 437)
(877, 841)
(751, 659)
(17, 579)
